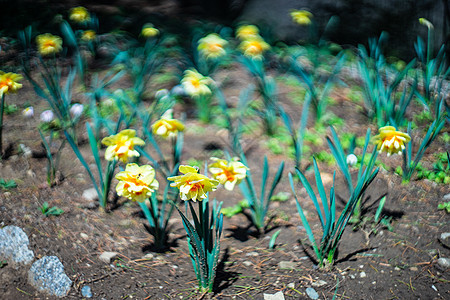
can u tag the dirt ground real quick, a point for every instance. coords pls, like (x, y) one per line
(392, 264)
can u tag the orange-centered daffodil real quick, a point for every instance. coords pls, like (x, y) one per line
(121, 145)
(48, 44)
(136, 183)
(391, 141)
(301, 17)
(9, 83)
(228, 173)
(79, 14)
(254, 48)
(212, 46)
(193, 186)
(195, 84)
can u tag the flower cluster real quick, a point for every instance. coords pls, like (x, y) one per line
(195, 84)
(9, 83)
(252, 45)
(121, 145)
(193, 186)
(301, 17)
(391, 141)
(48, 44)
(228, 173)
(136, 183)
(212, 46)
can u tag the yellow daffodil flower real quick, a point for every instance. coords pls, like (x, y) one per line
(136, 183)
(228, 173)
(212, 46)
(246, 32)
(193, 186)
(79, 14)
(195, 84)
(391, 141)
(88, 35)
(166, 126)
(9, 82)
(121, 145)
(301, 17)
(254, 47)
(148, 31)
(48, 44)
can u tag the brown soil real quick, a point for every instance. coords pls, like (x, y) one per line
(398, 264)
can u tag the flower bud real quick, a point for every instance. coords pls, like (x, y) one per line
(28, 112)
(47, 116)
(352, 159)
(76, 110)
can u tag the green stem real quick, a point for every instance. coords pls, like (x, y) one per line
(331, 256)
(2, 108)
(107, 182)
(203, 108)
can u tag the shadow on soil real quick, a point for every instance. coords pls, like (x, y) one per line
(224, 279)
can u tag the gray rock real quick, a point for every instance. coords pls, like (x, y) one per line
(445, 235)
(445, 239)
(148, 256)
(106, 257)
(86, 291)
(47, 275)
(363, 274)
(276, 296)
(14, 246)
(90, 194)
(443, 263)
(319, 283)
(312, 293)
(446, 197)
(290, 265)
(26, 151)
(247, 263)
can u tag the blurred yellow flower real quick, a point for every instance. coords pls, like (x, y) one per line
(254, 47)
(79, 14)
(166, 126)
(149, 31)
(121, 145)
(212, 46)
(228, 173)
(391, 141)
(193, 186)
(246, 32)
(9, 83)
(425, 22)
(136, 183)
(302, 17)
(195, 84)
(48, 44)
(88, 35)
